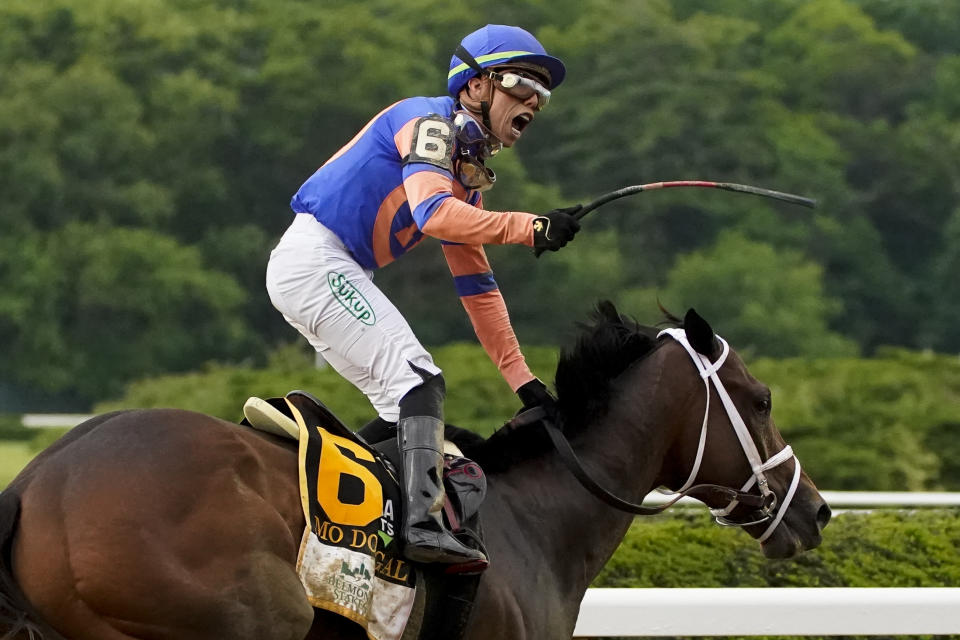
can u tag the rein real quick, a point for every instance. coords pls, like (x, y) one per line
(573, 464)
(765, 503)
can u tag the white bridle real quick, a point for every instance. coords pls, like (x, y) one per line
(708, 373)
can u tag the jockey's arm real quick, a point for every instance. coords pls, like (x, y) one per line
(441, 215)
(481, 298)
(437, 201)
(432, 195)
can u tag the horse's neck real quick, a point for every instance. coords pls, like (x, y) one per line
(569, 529)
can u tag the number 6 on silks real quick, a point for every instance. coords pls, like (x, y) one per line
(432, 142)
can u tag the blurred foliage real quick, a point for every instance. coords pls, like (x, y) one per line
(149, 148)
(43, 438)
(96, 305)
(11, 428)
(477, 397)
(889, 423)
(778, 316)
(909, 548)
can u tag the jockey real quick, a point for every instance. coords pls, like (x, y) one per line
(418, 168)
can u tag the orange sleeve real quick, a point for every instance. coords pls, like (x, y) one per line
(449, 218)
(487, 311)
(458, 221)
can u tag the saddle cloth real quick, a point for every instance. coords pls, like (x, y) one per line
(349, 560)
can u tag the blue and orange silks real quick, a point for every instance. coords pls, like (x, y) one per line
(392, 184)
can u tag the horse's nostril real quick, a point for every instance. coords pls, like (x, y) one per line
(823, 516)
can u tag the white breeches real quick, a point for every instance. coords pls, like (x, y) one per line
(323, 293)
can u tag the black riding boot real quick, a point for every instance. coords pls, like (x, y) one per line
(421, 444)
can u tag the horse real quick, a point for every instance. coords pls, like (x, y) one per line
(166, 524)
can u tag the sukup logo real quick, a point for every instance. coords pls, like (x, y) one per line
(351, 299)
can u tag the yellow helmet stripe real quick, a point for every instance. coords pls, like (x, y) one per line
(504, 55)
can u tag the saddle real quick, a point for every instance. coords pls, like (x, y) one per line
(464, 482)
(352, 497)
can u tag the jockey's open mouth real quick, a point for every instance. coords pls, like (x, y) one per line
(520, 123)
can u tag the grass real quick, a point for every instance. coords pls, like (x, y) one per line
(14, 456)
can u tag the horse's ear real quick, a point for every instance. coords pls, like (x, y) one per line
(699, 333)
(609, 312)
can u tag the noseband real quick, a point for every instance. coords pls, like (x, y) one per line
(769, 509)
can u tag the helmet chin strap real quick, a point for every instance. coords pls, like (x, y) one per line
(484, 105)
(479, 108)
(485, 114)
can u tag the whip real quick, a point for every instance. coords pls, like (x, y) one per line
(726, 186)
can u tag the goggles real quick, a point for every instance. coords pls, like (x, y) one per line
(521, 87)
(474, 145)
(511, 82)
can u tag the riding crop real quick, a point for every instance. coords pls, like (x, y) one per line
(727, 186)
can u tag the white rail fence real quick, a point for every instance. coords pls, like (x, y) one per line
(780, 611)
(53, 420)
(769, 611)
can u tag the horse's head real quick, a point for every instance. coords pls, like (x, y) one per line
(725, 435)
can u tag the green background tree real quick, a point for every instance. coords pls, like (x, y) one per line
(174, 132)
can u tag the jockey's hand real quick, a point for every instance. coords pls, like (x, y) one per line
(535, 394)
(555, 229)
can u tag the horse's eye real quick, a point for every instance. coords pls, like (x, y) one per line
(763, 405)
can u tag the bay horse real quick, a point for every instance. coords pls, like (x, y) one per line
(165, 524)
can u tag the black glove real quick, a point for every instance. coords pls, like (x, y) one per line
(535, 394)
(555, 229)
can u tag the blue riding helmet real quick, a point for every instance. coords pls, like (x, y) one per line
(497, 45)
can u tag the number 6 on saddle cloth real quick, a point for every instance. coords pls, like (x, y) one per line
(349, 488)
(350, 560)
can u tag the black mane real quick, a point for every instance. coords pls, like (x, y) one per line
(607, 345)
